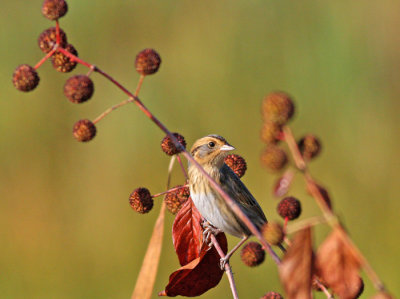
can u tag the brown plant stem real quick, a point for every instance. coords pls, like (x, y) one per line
(169, 190)
(329, 215)
(228, 269)
(232, 204)
(48, 55)
(182, 167)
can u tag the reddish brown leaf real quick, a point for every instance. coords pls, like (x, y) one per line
(200, 275)
(282, 185)
(296, 270)
(338, 266)
(187, 233)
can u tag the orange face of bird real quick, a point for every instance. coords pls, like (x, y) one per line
(211, 149)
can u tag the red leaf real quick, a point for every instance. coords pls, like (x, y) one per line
(282, 185)
(200, 275)
(338, 265)
(296, 269)
(187, 233)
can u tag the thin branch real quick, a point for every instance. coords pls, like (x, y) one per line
(169, 190)
(228, 269)
(329, 215)
(182, 167)
(48, 55)
(231, 203)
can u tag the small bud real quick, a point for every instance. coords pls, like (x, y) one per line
(25, 78)
(274, 158)
(271, 132)
(289, 207)
(278, 107)
(147, 62)
(84, 130)
(169, 147)
(54, 9)
(141, 200)
(175, 199)
(63, 63)
(252, 254)
(309, 146)
(48, 39)
(273, 232)
(272, 295)
(79, 88)
(237, 164)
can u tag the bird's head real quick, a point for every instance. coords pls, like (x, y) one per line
(211, 150)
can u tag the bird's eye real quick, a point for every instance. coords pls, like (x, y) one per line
(211, 144)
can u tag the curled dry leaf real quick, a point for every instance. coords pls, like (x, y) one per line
(187, 233)
(338, 265)
(296, 269)
(200, 275)
(282, 185)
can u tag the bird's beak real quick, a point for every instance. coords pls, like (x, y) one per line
(226, 148)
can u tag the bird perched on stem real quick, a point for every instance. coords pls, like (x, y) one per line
(210, 152)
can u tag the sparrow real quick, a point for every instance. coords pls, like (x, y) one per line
(210, 152)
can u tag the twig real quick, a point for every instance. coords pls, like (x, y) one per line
(231, 203)
(228, 269)
(169, 190)
(182, 167)
(330, 217)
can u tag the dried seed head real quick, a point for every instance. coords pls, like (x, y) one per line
(63, 63)
(54, 9)
(25, 78)
(252, 254)
(141, 200)
(309, 146)
(175, 199)
(169, 147)
(271, 132)
(289, 207)
(147, 62)
(48, 39)
(278, 107)
(324, 193)
(274, 158)
(79, 88)
(84, 130)
(273, 232)
(237, 164)
(272, 295)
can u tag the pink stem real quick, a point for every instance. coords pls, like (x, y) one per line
(48, 55)
(228, 269)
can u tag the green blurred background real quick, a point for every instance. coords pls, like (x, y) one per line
(67, 230)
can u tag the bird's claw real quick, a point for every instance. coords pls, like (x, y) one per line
(208, 231)
(222, 262)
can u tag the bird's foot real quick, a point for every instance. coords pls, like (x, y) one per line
(209, 230)
(223, 261)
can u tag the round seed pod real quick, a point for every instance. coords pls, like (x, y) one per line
(54, 9)
(175, 199)
(272, 295)
(309, 146)
(289, 207)
(252, 254)
(271, 132)
(273, 232)
(63, 63)
(84, 130)
(237, 164)
(25, 78)
(169, 147)
(147, 62)
(278, 107)
(48, 39)
(79, 88)
(141, 200)
(274, 158)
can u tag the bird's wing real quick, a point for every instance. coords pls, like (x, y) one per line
(232, 185)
